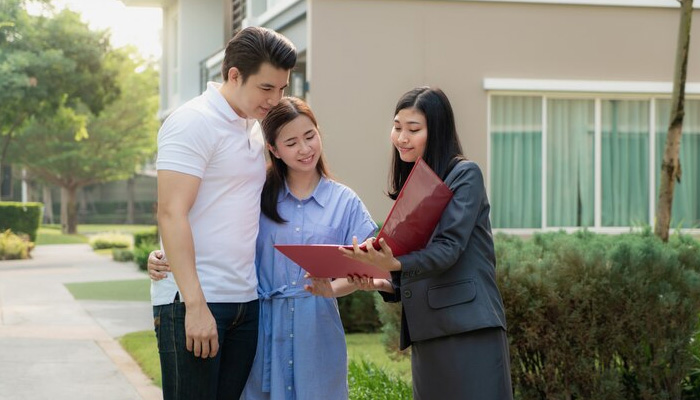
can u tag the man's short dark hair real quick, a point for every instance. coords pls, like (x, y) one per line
(253, 46)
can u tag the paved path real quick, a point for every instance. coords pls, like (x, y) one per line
(54, 347)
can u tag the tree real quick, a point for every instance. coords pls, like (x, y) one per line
(48, 61)
(671, 165)
(73, 147)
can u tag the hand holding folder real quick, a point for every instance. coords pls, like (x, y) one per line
(408, 227)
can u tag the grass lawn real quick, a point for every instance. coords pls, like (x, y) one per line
(143, 349)
(361, 346)
(369, 347)
(128, 290)
(51, 234)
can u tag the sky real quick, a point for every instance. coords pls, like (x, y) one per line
(140, 26)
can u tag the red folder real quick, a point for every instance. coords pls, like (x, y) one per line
(408, 227)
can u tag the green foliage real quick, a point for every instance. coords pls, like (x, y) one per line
(368, 382)
(369, 347)
(149, 236)
(48, 61)
(141, 253)
(390, 317)
(21, 217)
(14, 247)
(358, 313)
(600, 317)
(122, 255)
(110, 241)
(73, 145)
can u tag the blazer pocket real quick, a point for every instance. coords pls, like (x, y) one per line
(451, 294)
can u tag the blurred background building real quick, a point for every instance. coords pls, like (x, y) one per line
(564, 103)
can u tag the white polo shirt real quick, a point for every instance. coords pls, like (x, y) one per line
(207, 139)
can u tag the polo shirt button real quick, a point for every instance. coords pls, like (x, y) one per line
(407, 293)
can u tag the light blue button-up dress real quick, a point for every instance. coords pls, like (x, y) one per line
(301, 343)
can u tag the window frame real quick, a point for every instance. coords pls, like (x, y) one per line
(598, 91)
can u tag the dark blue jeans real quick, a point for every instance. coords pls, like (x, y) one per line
(186, 377)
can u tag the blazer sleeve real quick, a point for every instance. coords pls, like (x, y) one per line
(455, 227)
(396, 285)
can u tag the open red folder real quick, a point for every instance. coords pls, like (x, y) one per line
(408, 227)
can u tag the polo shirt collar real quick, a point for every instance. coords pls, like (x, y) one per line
(215, 97)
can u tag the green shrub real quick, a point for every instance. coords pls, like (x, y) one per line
(358, 313)
(600, 317)
(21, 217)
(122, 255)
(146, 236)
(369, 382)
(111, 241)
(390, 317)
(14, 247)
(141, 253)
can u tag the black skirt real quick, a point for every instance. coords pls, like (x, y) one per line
(469, 366)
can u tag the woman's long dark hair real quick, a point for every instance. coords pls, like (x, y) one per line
(442, 148)
(288, 109)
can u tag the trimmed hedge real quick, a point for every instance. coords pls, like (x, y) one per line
(146, 236)
(21, 217)
(111, 240)
(593, 316)
(598, 316)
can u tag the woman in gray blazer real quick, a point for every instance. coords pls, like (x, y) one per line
(452, 312)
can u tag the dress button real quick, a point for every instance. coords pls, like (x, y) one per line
(294, 282)
(297, 229)
(289, 388)
(407, 293)
(298, 205)
(291, 335)
(292, 309)
(291, 362)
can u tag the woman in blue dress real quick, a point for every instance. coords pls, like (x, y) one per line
(301, 350)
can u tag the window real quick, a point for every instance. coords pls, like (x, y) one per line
(585, 161)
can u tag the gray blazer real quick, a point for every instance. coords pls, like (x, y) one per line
(449, 287)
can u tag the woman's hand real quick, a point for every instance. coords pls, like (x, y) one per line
(319, 286)
(158, 266)
(382, 258)
(369, 283)
(362, 282)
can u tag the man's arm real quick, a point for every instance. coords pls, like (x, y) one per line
(176, 195)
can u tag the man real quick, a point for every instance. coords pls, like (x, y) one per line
(211, 170)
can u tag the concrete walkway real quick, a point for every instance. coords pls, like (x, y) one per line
(55, 347)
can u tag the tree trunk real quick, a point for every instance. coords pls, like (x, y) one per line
(64, 210)
(69, 210)
(671, 165)
(130, 196)
(48, 204)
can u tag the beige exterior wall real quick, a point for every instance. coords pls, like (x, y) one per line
(363, 54)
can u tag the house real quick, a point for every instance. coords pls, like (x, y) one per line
(563, 103)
